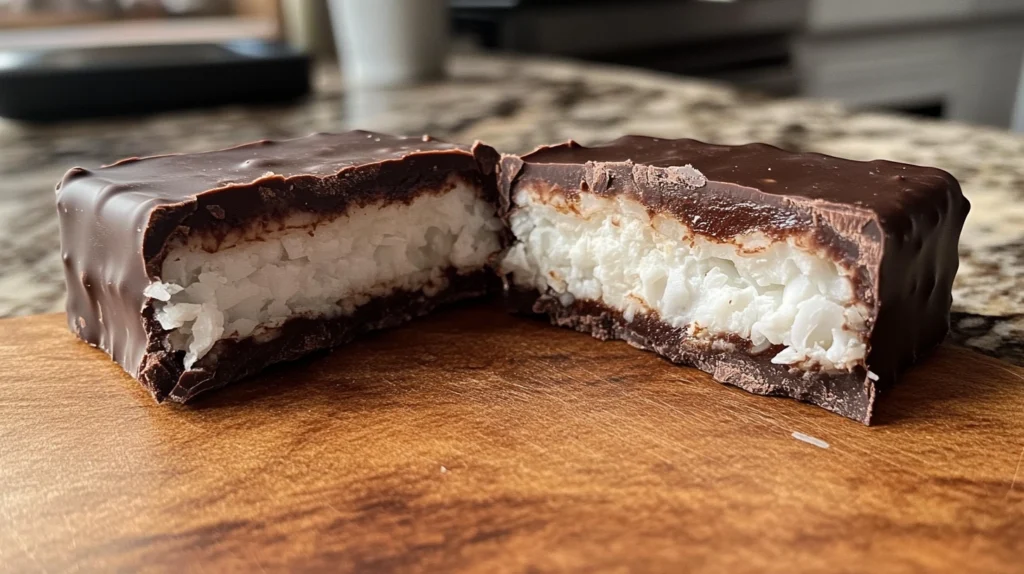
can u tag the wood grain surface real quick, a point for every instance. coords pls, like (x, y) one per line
(472, 441)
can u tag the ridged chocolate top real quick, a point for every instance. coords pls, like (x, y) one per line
(118, 221)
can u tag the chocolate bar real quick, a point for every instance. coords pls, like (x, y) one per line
(193, 271)
(784, 274)
(797, 275)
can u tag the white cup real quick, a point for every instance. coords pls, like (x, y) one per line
(385, 43)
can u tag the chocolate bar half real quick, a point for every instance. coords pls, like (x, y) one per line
(797, 275)
(193, 271)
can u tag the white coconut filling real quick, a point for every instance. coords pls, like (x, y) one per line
(328, 270)
(609, 250)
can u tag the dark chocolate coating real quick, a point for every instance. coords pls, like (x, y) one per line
(895, 225)
(118, 222)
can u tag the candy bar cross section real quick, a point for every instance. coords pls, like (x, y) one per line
(788, 274)
(192, 271)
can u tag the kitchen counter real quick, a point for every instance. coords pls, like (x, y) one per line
(516, 104)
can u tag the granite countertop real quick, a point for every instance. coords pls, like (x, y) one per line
(516, 104)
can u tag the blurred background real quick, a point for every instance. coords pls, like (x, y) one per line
(951, 59)
(930, 82)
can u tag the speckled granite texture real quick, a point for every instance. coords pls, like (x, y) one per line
(517, 104)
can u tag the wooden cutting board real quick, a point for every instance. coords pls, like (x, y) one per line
(476, 441)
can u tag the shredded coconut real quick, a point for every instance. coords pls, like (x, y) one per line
(810, 440)
(369, 252)
(611, 251)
